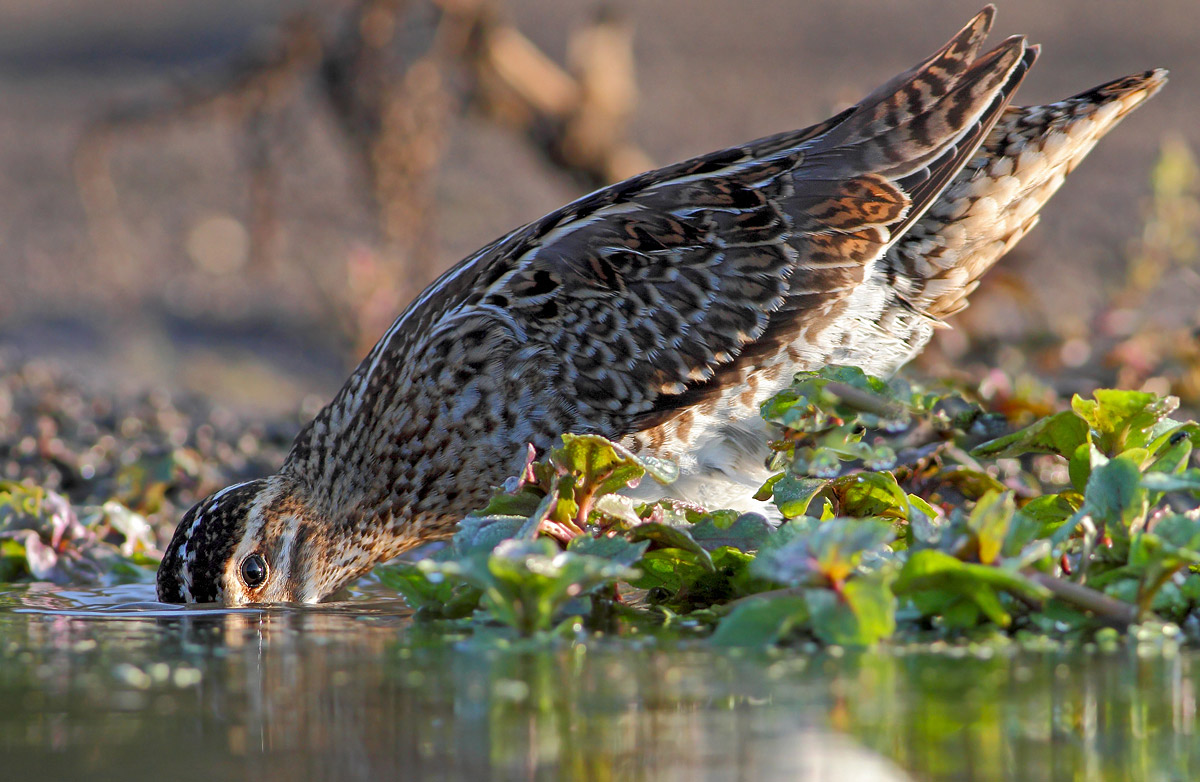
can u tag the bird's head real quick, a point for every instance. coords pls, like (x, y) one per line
(256, 542)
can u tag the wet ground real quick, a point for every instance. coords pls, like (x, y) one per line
(156, 452)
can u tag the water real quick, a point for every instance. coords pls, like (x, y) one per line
(107, 684)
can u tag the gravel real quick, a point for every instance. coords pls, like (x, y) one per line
(156, 452)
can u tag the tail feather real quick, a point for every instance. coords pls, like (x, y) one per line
(878, 113)
(860, 184)
(953, 158)
(995, 198)
(904, 133)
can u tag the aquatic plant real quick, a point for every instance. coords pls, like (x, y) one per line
(906, 511)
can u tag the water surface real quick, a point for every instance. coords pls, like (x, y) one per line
(107, 684)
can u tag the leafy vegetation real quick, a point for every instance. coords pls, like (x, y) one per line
(905, 512)
(44, 539)
(896, 512)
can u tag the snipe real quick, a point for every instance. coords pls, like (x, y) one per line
(658, 312)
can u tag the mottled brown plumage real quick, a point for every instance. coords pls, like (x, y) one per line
(659, 312)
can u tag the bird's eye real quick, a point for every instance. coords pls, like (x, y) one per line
(254, 571)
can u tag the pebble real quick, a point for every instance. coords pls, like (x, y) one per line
(155, 452)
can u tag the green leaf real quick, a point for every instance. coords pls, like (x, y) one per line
(14, 563)
(525, 582)
(989, 522)
(793, 493)
(612, 548)
(820, 400)
(1172, 459)
(733, 567)
(730, 580)
(862, 615)
(867, 494)
(481, 534)
(925, 524)
(532, 526)
(955, 610)
(1190, 589)
(1051, 511)
(428, 590)
(1114, 495)
(523, 503)
(1173, 545)
(592, 456)
(672, 571)
(1185, 481)
(747, 533)
(1123, 419)
(787, 408)
(1079, 466)
(767, 490)
(672, 537)
(788, 531)
(1019, 543)
(852, 376)
(931, 570)
(1170, 456)
(1175, 537)
(972, 483)
(1060, 433)
(761, 621)
(960, 613)
(612, 465)
(822, 553)
(1171, 432)
(721, 519)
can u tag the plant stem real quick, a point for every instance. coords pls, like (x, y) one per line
(865, 400)
(1112, 612)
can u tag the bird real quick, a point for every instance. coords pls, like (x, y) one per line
(659, 312)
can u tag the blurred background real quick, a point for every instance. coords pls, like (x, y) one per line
(234, 198)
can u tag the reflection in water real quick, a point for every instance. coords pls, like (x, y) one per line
(109, 686)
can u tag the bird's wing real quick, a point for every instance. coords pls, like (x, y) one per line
(660, 292)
